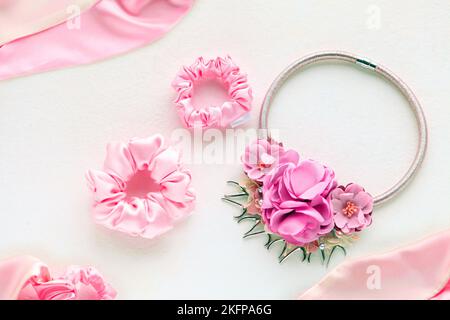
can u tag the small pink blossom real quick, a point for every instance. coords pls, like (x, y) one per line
(260, 157)
(255, 197)
(352, 208)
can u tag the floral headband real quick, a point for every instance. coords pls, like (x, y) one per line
(298, 201)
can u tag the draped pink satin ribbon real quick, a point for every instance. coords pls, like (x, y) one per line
(418, 271)
(108, 28)
(19, 18)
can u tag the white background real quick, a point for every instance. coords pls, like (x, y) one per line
(54, 126)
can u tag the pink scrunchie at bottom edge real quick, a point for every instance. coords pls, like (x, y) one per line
(27, 278)
(415, 272)
(108, 28)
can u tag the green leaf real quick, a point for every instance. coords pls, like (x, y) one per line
(236, 195)
(244, 212)
(269, 238)
(332, 251)
(253, 234)
(232, 201)
(322, 254)
(304, 254)
(283, 250)
(243, 189)
(247, 217)
(272, 242)
(289, 253)
(257, 223)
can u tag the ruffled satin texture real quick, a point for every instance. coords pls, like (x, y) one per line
(171, 200)
(20, 18)
(230, 112)
(108, 28)
(416, 272)
(27, 278)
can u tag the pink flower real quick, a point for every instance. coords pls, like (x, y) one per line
(253, 205)
(352, 208)
(261, 157)
(295, 200)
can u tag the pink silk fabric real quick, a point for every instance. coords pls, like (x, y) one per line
(27, 278)
(108, 28)
(415, 272)
(19, 18)
(14, 273)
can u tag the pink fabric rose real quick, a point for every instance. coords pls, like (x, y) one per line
(352, 208)
(295, 200)
(262, 156)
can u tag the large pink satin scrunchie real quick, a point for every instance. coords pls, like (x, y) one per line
(108, 28)
(418, 271)
(156, 211)
(27, 278)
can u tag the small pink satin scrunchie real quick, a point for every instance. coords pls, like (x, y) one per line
(27, 278)
(155, 212)
(230, 113)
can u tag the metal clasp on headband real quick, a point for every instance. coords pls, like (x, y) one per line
(366, 64)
